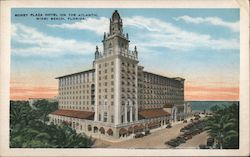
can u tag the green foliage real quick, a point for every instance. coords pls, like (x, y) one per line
(29, 128)
(223, 126)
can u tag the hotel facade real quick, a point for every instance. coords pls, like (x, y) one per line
(117, 98)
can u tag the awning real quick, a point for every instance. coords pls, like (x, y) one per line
(75, 114)
(123, 131)
(130, 129)
(153, 113)
(136, 128)
(141, 127)
(110, 131)
(102, 130)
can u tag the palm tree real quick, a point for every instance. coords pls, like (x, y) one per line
(29, 130)
(223, 125)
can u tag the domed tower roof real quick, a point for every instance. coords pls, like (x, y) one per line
(115, 16)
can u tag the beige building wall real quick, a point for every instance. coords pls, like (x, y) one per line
(159, 91)
(76, 91)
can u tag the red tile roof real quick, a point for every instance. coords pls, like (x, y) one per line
(152, 113)
(75, 114)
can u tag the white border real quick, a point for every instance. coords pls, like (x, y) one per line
(5, 75)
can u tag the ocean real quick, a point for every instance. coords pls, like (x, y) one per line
(200, 106)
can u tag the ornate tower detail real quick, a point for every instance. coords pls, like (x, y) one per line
(116, 24)
(97, 54)
(136, 53)
(116, 77)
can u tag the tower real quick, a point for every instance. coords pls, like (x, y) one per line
(116, 77)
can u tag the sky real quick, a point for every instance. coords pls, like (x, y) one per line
(200, 45)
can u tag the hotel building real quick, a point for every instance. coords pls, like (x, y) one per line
(117, 98)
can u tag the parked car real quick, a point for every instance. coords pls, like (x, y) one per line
(169, 126)
(181, 139)
(147, 132)
(196, 118)
(187, 137)
(210, 141)
(139, 135)
(173, 143)
(182, 130)
(202, 146)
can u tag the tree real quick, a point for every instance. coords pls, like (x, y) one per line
(223, 126)
(28, 128)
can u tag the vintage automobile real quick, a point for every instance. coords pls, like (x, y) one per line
(147, 132)
(139, 135)
(169, 126)
(182, 130)
(202, 146)
(210, 141)
(173, 143)
(181, 139)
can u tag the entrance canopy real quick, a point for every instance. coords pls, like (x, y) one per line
(153, 113)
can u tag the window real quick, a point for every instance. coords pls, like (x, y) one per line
(105, 116)
(122, 119)
(112, 119)
(89, 128)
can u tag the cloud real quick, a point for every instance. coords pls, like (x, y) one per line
(164, 34)
(158, 34)
(99, 26)
(38, 43)
(216, 21)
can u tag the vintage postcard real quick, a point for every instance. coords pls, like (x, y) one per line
(131, 78)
